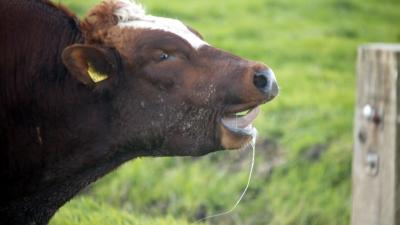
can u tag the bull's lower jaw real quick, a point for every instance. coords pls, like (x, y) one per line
(231, 139)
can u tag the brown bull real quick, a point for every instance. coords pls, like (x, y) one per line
(79, 98)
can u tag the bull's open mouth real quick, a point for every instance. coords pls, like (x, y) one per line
(237, 127)
(241, 123)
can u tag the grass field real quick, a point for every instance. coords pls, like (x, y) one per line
(303, 159)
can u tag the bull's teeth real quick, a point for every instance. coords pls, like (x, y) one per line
(243, 113)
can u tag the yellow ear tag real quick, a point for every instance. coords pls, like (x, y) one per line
(95, 75)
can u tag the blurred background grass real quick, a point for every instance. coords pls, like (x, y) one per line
(303, 159)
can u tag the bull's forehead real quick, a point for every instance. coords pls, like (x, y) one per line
(132, 15)
(166, 24)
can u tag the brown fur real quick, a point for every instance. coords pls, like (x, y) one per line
(60, 130)
(98, 21)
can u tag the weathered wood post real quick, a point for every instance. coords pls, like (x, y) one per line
(376, 160)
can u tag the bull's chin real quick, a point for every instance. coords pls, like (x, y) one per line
(237, 130)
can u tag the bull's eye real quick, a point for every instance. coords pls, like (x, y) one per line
(164, 56)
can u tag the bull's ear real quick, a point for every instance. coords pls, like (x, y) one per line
(89, 64)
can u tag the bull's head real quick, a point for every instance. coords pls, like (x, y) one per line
(171, 93)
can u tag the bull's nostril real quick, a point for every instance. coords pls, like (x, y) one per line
(261, 80)
(265, 82)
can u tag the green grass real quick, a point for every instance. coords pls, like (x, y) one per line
(86, 211)
(311, 45)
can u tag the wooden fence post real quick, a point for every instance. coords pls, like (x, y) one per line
(376, 159)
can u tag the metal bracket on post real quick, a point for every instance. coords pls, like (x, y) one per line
(372, 158)
(372, 161)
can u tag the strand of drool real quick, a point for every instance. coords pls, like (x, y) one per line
(252, 144)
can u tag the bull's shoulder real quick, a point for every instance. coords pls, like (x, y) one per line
(33, 35)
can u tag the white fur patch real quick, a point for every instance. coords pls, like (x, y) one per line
(132, 14)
